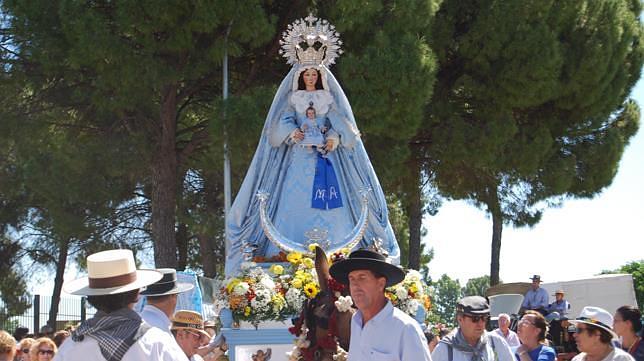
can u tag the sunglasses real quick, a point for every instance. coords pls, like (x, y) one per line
(476, 319)
(46, 352)
(25, 350)
(580, 330)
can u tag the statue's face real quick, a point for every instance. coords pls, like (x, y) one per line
(310, 77)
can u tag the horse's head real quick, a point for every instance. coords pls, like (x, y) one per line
(328, 328)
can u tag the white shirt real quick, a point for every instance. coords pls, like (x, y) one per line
(512, 339)
(616, 355)
(156, 318)
(500, 352)
(153, 345)
(389, 336)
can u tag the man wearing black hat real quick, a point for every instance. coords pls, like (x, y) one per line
(379, 331)
(536, 298)
(161, 299)
(470, 341)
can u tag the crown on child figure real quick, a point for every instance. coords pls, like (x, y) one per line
(310, 41)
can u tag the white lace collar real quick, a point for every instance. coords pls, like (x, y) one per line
(321, 99)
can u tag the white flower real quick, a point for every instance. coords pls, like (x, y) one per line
(294, 297)
(241, 288)
(267, 282)
(413, 275)
(245, 266)
(343, 304)
(401, 293)
(413, 306)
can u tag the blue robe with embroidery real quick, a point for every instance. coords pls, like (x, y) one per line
(286, 170)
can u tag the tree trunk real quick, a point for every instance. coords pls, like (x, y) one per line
(497, 229)
(207, 256)
(415, 213)
(58, 283)
(164, 184)
(182, 246)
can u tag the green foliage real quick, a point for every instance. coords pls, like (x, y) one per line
(447, 292)
(531, 108)
(636, 269)
(13, 288)
(477, 286)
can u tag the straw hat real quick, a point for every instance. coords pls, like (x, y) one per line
(109, 273)
(188, 320)
(596, 316)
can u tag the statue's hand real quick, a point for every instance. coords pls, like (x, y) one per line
(298, 135)
(328, 146)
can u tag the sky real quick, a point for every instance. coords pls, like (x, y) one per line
(575, 241)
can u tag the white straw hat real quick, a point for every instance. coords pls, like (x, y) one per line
(597, 317)
(111, 272)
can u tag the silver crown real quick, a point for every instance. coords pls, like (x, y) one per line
(310, 41)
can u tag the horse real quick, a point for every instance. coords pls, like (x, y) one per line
(324, 330)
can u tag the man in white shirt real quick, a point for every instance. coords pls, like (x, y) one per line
(116, 332)
(470, 341)
(504, 331)
(379, 331)
(161, 298)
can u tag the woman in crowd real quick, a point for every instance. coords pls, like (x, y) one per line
(23, 349)
(594, 336)
(43, 349)
(627, 323)
(532, 333)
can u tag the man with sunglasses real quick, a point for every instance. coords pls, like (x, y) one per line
(188, 329)
(469, 341)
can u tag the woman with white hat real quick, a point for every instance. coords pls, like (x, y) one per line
(594, 335)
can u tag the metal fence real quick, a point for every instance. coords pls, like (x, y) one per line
(70, 310)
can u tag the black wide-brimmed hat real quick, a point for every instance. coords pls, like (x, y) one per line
(364, 259)
(167, 285)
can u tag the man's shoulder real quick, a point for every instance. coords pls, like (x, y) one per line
(155, 335)
(621, 355)
(401, 318)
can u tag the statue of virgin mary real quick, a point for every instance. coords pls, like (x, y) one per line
(310, 163)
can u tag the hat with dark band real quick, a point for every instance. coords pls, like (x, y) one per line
(167, 285)
(188, 320)
(597, 317)
(109, 273)
(364, 259)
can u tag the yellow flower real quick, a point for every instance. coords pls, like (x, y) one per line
(276, 269)
(308, 263)
(297, 283)
(278, 301)
(311, 289)
(294, 257)
(231, 285)
(413, 288)
(345, 250)
(312, 247)
(304, 276)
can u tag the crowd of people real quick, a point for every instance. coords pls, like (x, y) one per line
(378, 330)
(544, 332)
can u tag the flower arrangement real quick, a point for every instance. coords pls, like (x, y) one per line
(409, 294)
(276, 293)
